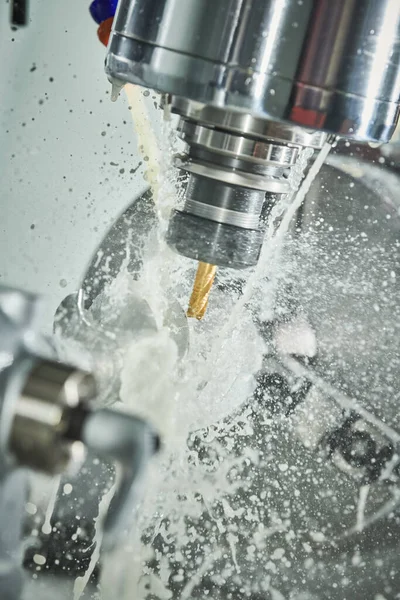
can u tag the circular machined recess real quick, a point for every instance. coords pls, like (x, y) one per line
(245, 124)
(231, 176)
(231, 144)
(214, 243)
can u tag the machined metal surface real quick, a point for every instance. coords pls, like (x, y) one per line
(231, 176)
(324, 65)
(246, 148)
(246, 124)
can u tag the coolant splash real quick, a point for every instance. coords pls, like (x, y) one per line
(251, 495)
(198, 509)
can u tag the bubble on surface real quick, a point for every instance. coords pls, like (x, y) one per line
(67, 489)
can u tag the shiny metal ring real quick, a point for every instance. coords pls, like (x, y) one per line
(231, 176)
(246, 124)
(261, 152)
(222, 215)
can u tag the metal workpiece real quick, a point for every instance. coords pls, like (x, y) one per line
(324, 65)
(54, 424)
(48, 422)
(42, 415)
(35, 395)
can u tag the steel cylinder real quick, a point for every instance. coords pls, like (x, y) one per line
(326, 65)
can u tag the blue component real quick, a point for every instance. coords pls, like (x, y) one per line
(103, 9)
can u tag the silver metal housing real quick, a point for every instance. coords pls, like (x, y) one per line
(321, 64)
(253, 81)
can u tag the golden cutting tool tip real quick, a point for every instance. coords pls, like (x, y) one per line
(201, 290)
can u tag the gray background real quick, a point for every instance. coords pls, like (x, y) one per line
(55, 170)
